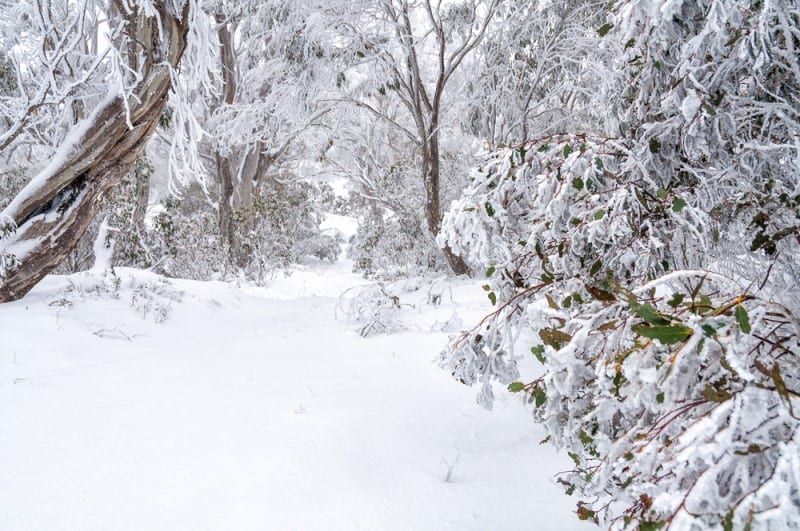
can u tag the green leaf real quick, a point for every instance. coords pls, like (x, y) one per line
(539, 251)
(727, 524)
(486, 287)
(595, 267)
(678, 204)
(490, 271)
(492, 297)
(604, 29)
(732, 40)
(712, 394)
(667, 335)
(489, 209)
(539, 396)
(651, 526)
(780, 384)
(585, 438)
(575, 457)
(554, 338)
(654, 145)
(676, 300)
(600, 294)
(781, 234)
(611, 325)
(630, 43)
(567, 150)
(647, 312)
(599, 214)
(598, 163)
(742, 318)
(762, 239)
(538, 351)
(577, 183)
(660, 398)
(516, 387)
(662, 193)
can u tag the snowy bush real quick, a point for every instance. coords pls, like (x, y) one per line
(287, 214)
(124, 208)
(389, 248)
(150, 298)
(375, 309)
(652, 271)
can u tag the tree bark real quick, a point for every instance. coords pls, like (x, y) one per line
(433, 206)
(50, 215)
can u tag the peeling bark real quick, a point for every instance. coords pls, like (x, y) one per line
(52, 213)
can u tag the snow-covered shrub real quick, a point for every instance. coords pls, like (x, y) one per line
(287, 216)
(651, 270)
(150, 298)
(374, 308)
(184, 239)
(387, 247)
(124, 208)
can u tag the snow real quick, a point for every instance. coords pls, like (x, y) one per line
(68, 147)
(690, 105)
(254, 408)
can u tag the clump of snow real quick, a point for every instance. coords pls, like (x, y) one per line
(690, 105)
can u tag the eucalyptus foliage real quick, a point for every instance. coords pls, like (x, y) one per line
(651, 269)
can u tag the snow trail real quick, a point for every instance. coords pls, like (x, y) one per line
(253, 408)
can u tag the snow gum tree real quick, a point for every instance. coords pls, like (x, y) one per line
(651, 268)
(413, 50)
(98, 102)
(534, 70)
(271, 94)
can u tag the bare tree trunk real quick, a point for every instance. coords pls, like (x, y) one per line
(50, 215)
(433, 206)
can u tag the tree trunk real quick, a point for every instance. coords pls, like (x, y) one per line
(50, 215)
(433, 208)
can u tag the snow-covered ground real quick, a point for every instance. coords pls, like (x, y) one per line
(255, 408)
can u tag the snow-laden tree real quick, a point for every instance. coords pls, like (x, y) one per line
(651, 269)
(91, 81)
(273, 91)
(534, 71)
(411, 51)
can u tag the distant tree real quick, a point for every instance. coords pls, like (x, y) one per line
(652, 269)
(271, 94)
(535, 72)
(411, 52)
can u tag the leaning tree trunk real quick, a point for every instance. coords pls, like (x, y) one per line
(50, 215)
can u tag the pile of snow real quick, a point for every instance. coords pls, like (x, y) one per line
(131, 402)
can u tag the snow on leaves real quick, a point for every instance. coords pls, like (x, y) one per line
(672, 388)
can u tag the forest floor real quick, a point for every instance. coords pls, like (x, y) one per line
(131, 402)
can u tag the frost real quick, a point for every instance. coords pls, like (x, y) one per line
(690, 105)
